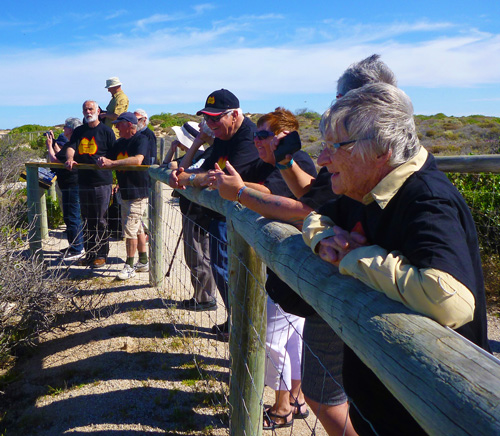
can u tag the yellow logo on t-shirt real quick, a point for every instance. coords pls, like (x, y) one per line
(122, 156)
(222, 162)
(87, 147)
(211, 100)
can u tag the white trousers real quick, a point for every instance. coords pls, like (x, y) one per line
(283, 347)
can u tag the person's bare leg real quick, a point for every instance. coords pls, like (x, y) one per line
(280, 407)
(141, 243)
(335, 419)
(296, 396)
(131, 246)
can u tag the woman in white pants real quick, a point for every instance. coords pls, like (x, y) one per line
(283, 359)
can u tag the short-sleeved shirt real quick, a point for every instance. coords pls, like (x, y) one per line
(149, 134)
(65, 178)
(133, 184)
(275, 287)
(240, 151)
(117, 105)
(275, 182)
(90, 143)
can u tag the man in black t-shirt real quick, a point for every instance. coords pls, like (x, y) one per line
(131, 149)
(233, 142)
(89, 142)
(143, 129)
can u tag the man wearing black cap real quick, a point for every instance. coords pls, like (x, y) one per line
(131, 149)
(234, 143)
(89, 142)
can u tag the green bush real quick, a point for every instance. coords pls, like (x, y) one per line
(482, 194)
(306, 113)
(169, 120)
(54, 212)
(28, 128)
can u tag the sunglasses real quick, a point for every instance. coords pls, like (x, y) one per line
(262, 134)
(215, 118)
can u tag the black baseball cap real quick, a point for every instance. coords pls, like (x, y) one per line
(219, 102)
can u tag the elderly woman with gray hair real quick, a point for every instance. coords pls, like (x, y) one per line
(67, 182)
(401, 228)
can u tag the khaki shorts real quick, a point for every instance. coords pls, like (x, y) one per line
(132, 212)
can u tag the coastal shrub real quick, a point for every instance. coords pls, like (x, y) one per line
(169, 120)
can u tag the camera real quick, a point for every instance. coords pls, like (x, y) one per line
(288, 145)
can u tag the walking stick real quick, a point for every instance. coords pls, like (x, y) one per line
(177, 244)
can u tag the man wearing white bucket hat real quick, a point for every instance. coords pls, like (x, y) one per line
(195, 222)
(185, 136)
(116, 106)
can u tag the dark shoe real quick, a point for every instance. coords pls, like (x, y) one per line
(97, 263)
(86, 261)
(221, 328)
(297, 410)
(271, 423)
(223, 336)
(193, 305)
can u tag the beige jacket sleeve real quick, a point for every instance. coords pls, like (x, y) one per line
(429, 291)
(315, 228)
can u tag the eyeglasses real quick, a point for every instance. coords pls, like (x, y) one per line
(334, 146)
(215, 118)
(262, 134)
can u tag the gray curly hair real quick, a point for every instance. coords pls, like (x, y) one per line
(380, 117)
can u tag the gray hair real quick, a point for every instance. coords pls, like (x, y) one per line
(91, 101)
(380, 117)
(369, 70)
(72, 123)
(143, 113)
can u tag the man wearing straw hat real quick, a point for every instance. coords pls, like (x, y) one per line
(116, 106)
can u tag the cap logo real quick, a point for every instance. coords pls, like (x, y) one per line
(211, 100)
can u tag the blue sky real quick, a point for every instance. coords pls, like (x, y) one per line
(171, 55)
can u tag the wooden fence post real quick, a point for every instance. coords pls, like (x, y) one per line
(162, 150)
(156, 234)
(44, 221)
(34, 211)
(248, 314)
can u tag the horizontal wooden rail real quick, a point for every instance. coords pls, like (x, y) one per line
(447, 384)
(469, 164)
(87, 166)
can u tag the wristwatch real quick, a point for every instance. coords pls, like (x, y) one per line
(191, 179)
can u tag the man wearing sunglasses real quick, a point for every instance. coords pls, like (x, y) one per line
(234, 142)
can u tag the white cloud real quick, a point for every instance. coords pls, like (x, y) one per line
(176, 66)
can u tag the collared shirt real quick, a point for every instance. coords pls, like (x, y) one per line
(117, 105)
(411, 259)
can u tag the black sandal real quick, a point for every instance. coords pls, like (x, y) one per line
(268, 415)
(298, 414)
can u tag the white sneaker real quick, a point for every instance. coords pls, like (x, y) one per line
(141, 267)
(73, 255)
(126, 273)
